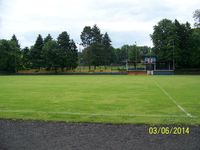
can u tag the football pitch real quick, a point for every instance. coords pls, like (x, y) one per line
(102, 98)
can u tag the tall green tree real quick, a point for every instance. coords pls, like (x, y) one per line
(73, 55)
(165, 40)
(10, 56)
(98, 48)
(107, 50)
(15, 40)
(88, 56)
(183, 45)
(63, 40)
(68, 54)
(181, 38)
(64, 48)
(26, 64)
(51, 53)
(48, 38)
(96, 34)
(106, 41)
(91, 35)
(195, 48)
(86, 36)
(36, 53)
(45, 51)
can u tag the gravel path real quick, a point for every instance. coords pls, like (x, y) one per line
(33, 135)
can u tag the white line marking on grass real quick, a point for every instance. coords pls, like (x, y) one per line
(172, 99)
(94, 114)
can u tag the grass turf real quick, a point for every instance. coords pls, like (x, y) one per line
(105, 99)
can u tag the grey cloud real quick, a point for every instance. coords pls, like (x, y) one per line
(121, 38)
(126, 21)
(143, 10)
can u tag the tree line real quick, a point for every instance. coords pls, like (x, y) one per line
(63, 54)
(98, 49)
(45, 53)
(172, 40)
(177, 42)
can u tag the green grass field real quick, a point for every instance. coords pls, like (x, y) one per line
(107, 99)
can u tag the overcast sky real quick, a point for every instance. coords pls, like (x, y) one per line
(126, 21)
